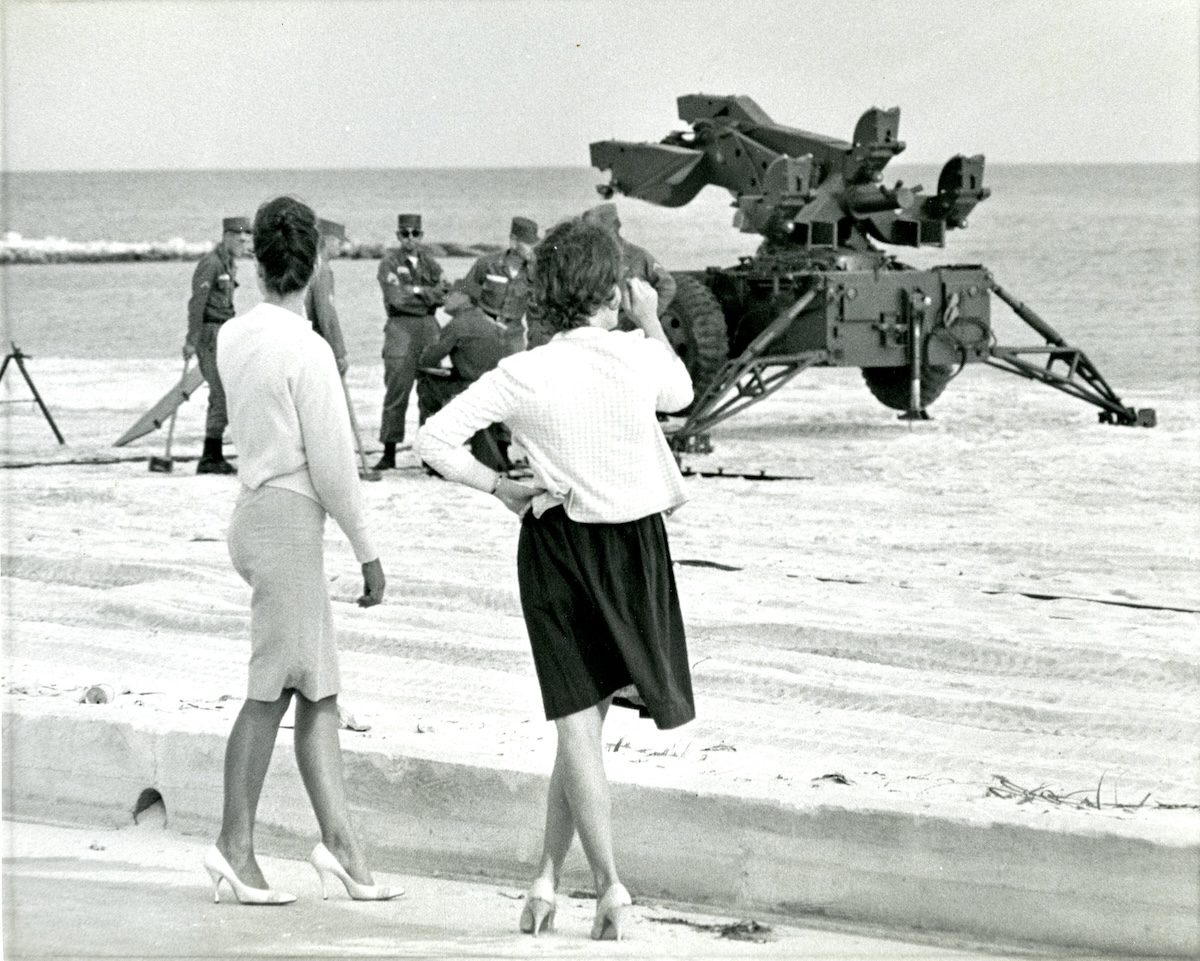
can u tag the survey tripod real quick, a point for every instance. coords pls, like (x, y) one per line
(19, 357)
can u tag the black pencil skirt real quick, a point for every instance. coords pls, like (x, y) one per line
(602, 612)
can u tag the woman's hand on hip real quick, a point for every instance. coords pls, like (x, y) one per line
(373, 584)
(516, 496)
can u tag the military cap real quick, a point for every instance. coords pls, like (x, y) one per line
(236, 225)
(331, 228)
(524, 230)
(491, 298)
(604, 215)
(408, 222)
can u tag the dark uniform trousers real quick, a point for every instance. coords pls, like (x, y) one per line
(405, 336)
(211, 304)
(490, 445)
(206, 356)
(413, 288)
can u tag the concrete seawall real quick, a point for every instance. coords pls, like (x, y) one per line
(997, 882)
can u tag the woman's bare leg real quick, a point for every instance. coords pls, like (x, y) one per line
(319, 756)
(579, 764)
(247, 757)
(560, 829)
(560, 823)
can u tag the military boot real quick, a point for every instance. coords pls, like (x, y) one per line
(388, 460)
(212, 461)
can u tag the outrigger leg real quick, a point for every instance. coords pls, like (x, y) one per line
(744, 381)
(1076, 376)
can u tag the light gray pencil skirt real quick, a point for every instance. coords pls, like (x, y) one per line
(276, 541)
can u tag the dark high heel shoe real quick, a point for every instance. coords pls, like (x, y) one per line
(325, 864)
(612, 914)
(218, 869)
(538, 914)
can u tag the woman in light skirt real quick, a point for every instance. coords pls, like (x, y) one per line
(593, 563)
(291, 427)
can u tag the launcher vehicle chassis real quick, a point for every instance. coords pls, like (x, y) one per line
(820, 292)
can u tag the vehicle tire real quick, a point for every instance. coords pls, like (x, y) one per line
(890, 385)
(695, 325)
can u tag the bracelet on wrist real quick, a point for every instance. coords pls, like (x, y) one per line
(496, 483)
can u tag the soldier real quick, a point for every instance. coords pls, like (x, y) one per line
(210, 306)
(509, 268)
(636, 262)
(413, 289)
(318, 304)
(474, 338)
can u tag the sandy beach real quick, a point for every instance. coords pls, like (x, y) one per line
(1007, 591)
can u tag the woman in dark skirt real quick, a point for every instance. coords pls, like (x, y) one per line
(593, 564)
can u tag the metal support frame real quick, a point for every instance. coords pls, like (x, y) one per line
(750, 376)
(1080, 379)
(17, 355)
(915, 303)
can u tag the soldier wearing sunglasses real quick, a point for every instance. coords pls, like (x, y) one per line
(413, 288)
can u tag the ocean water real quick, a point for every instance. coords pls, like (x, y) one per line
(1108, 254)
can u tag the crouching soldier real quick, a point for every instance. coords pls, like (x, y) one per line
(474, 338)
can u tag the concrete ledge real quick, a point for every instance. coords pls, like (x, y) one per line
(992, 882)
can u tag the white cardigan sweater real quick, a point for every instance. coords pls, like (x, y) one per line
(288, 417)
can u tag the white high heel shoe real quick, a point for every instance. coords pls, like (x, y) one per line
(612, 913)
(218, 868)
(538, 914)
(325, 864)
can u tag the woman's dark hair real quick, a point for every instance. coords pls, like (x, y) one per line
(286, 242)
(575, 268)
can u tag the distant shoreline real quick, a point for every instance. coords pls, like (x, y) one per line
(905, 162)
(15, 249)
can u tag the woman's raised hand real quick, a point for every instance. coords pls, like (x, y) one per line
(373, 584)
(516, 496)
(643, 303)
(643, 308)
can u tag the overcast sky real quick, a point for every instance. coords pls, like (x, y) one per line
(145, 84)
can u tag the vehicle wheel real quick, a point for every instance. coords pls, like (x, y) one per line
(695, 326)
(890, 385)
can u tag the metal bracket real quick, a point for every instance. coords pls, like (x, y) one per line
(1081, 379)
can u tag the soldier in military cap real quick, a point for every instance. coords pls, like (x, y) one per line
(474, 338)
(211, 304)
(318, 304)
(636, 262)
(510, 269)
(413, 288)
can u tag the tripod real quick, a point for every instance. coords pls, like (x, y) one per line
(15, 354)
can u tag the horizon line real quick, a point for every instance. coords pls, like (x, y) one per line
(423, 169)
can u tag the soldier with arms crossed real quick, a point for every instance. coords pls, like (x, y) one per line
(413, 288)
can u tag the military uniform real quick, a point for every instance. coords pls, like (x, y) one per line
(318, 305)
(635, 262)
(412, 291)
(475, 343)
(213, 283)
(318, 302)
(512, 272)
